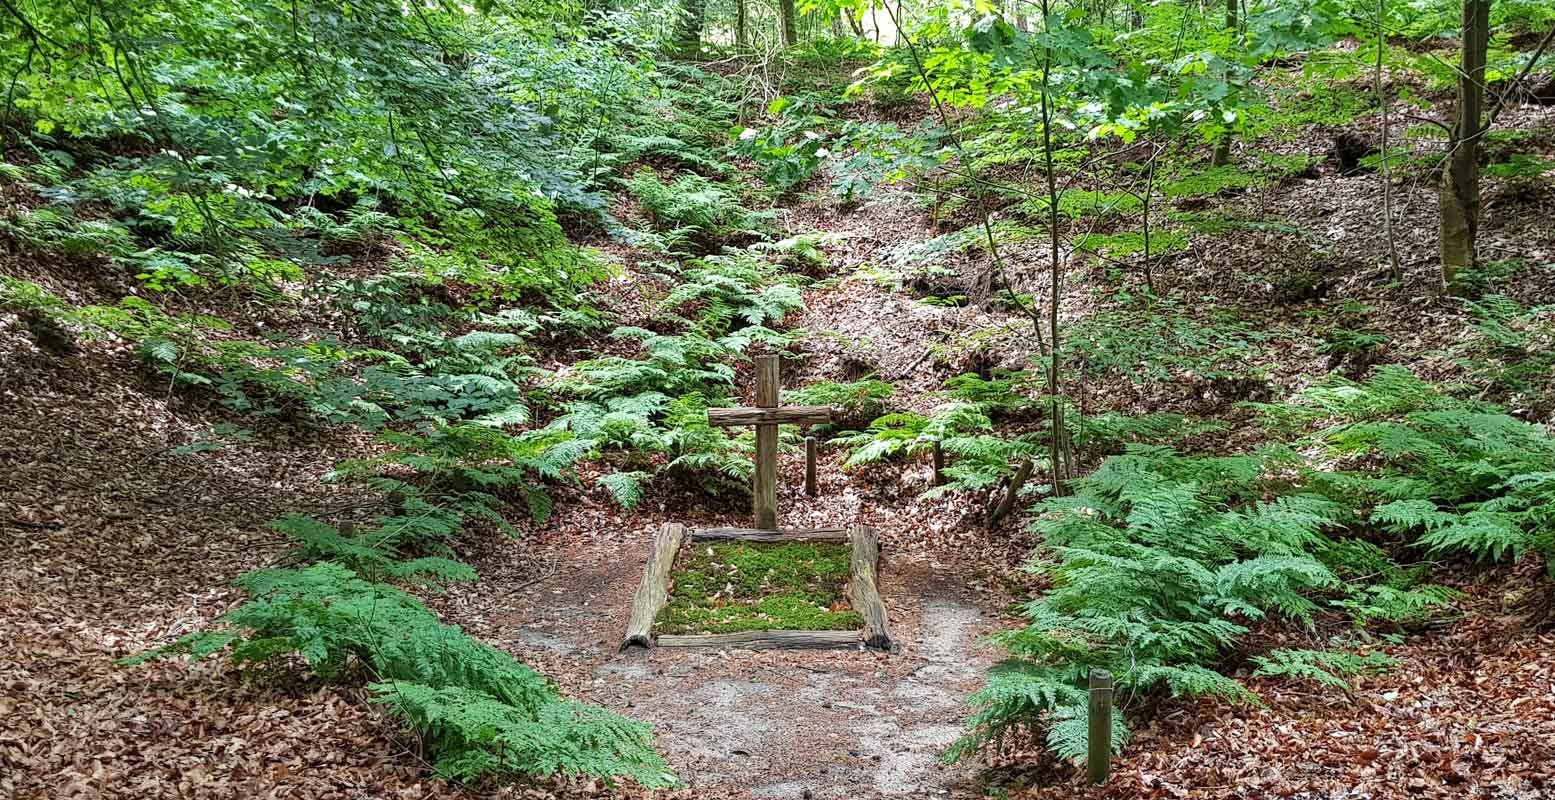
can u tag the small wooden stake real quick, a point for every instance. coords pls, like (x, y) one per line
(809, 465)
(1098, 760)
(939, 464)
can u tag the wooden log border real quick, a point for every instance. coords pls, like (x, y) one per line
(765, 640)
(836, 535)
(653, 592)
(862, 591)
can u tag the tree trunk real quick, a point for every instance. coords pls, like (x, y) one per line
(1460, 182)
(1395, 268)
(688, 35)
(739, 24)
(1222, 154)
(1057, 436)
(787, 14)
(853, 22)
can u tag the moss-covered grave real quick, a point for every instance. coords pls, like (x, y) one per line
(727, 587)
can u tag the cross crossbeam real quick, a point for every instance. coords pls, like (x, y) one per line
(766, 415)
(787, 415)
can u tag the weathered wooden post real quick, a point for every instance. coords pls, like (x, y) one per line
(1098, 759)
(765, 485)
(810, 445)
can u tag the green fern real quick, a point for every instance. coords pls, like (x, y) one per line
(1326, 667)
(1157, 561)
(854, 404)
(1007, 395)
(474, 735)
(1512, 352)
(480, 711)
(1468, 478)
(626, 488)
(692, 201)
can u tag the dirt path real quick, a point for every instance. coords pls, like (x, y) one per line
(760, 723)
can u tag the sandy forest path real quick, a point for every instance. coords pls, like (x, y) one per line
(777, 723)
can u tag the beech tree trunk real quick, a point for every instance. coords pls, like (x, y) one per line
(1460, 182)
(786, 14)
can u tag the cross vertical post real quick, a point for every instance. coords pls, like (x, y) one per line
(766, 415)
(764, 489)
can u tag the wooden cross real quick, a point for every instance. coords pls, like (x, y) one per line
(766, 416)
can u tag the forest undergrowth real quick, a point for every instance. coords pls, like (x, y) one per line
(417, 280)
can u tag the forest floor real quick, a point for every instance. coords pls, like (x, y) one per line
(116, 542)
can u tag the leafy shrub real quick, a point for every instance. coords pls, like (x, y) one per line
(1126, 243)
(1159, 561)
(983, 461)
(651, 424)
(720, 461)
(467, 464)
(1521, 174)
(1467, 480)
(733, 291)
(1352, 342)
(1083, 203)
(790, 150)
(1357, 347)
(878, 153)
(377, 554)
(664, 147)
(1160, 343)
(1154, 559)
(1006, 394)
(975, 461)
(907, 434)
(972, 238)
(674, 365)
(1326, 667)
(1111, 431)
(1213, 181)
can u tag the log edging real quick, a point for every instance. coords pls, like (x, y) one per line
(653, 593)
(836, 535)
(863, 592)
(764, 640)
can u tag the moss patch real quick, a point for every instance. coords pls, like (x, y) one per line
(729, 587)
